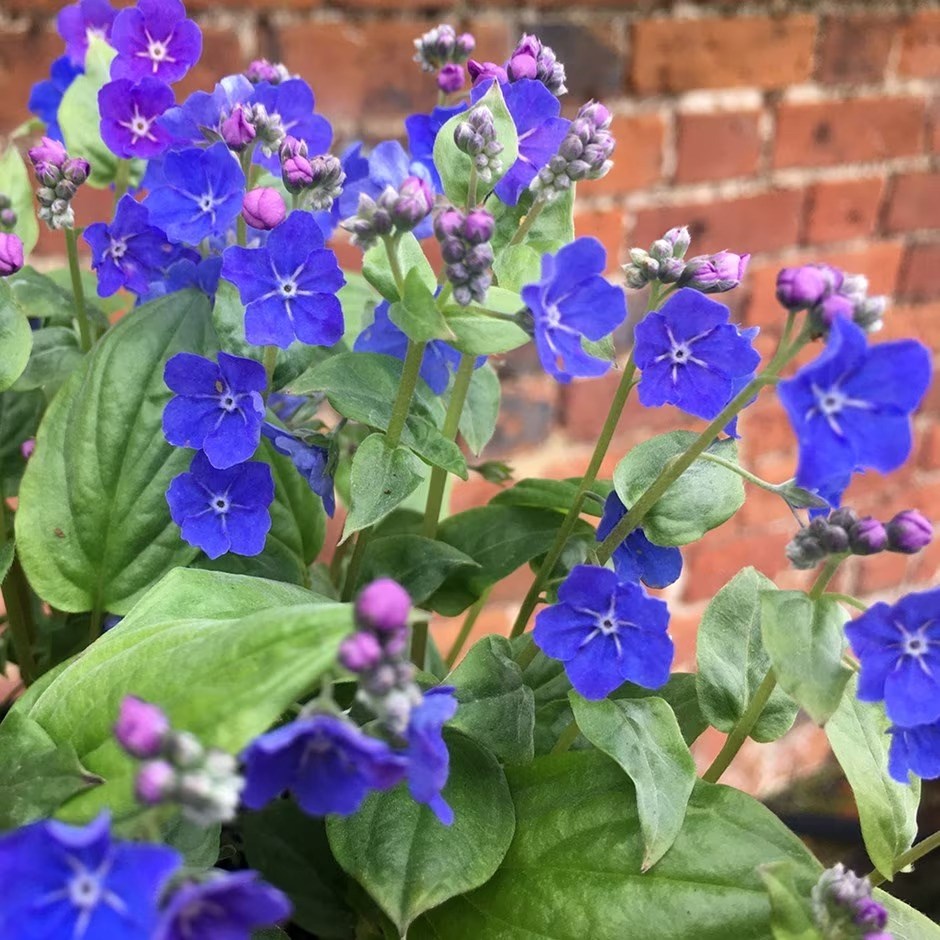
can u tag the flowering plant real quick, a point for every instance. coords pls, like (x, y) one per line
(219, 736)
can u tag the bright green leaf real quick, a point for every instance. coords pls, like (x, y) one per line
(416, 315)
(516, 266)
(16, 338)
(377, 271)
(904, 923)
(478, 334)
(6, 559)
(481, 409)
(16, 185)
(791, 916)
(552, 228)
(359, 299)
(41, 298)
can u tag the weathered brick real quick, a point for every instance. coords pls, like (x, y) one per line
(606, 225)
(594, 65)
(855, 131)
(637, 158)
(915, 202)
(765, 222)
(920, 320)
(855, 48)
(920, 274)
(684, 55)
(717, 146)
(24, 59)
(920, 45)
(842, 209)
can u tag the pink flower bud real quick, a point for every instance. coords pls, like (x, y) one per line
(360, 652)
(264, 208)
(155, 781)
(141, 728)
(11, 254)
(450, 78)
(383, 605)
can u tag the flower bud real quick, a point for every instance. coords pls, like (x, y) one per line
(680, 239)
(805, 550)
(8, 218)
(869, 313)
(481, 71)
(448, 223)
(65, 189)
(141, 728)
(48, 156)
(867, 537)
(479, 226)
(292, 147)
(670, 270)
(521, 65)
(802, 287)
(76, 170)
(183, 750)
(297, 173)
(360, 652)
(835, 305)
(413, 203)
(11, 254)
(261, 70)
(661, 249)
(835, 540)
(451, 78)
(237, 130)
(714, 274)
(264, 208)
(854, 286)
(464, 46)
(845, 518)
(5, 202)
(155, 782)
(908, 532)
(383, 605)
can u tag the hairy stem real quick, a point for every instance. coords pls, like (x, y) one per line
(419, 643)
(81, 314)
(909, 857)
(122, 178)
(740, 471)
(566, 738)
(527, 222)
(847, 599)
(466, 628)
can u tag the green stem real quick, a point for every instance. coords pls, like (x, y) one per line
(909, 857)
(81, 314)
(466, 628)
(825, 575)
(566, 738)
(270, 364)
(472, 188)
(740, 471)
(122, 178)
(391, 249)
(458, 396)
(419, 643)
(527, 222)
(574, 512)
(848, 599)
(16, 598)
(355, 563)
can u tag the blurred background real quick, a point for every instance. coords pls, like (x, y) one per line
(796, 131)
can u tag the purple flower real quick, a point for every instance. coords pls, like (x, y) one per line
(908, 532)
(481, 72)
(264, 208)
(428, 760)
(200, 275)
(48, 158)
(46, 96)
(289, 286)
(11, 254)
(714, 274)
(261, 70)
(326, 762)
(851, 408)
(915, 750)
(422, 132)
(223, 511)
(216, 408)
(155, 39)
(292, 102)
(79, 21)
(130, 252)
(802, 287)
(451, 78)
(73, 881)
(572, 301)
(129, 115)
(201, 194)
(383, 605)
(691, 356)
(899, 649)
(201, 115)
(141, 728)
(226, 906)
(637, 558)
(311, 462)
(606, 632)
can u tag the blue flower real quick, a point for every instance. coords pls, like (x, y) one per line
(572, 301)
(74, 882)
(328, 765)
(216, 408)
(637, 558)
(851, 408)
(428, 760)
(155, 39)
(422, 132)
(200, 194)
(692, 357)
(200, 275)
(285, 406)
(899, 649)
(227, 906)
(535, 112)
(289, 286)
(201, 114)
(223, 511)
(46, 96)
(915, 750)
(130, 252)
(312, 462)
(606, 632)
(129, 113)
(293, 102)
(78, 21)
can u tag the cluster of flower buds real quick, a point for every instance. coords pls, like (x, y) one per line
(59, 177)
(7, 213)
(826, 292)
(261, 70)
(263, 208)
(395, 210)
(11, 254)
(476, 137)
(320, 179)
(378, 653)
(663, 262)
(531, 59)
(843, 906)
(467, 253)
(175, 767)
(249, 124)
(843, 532)
(584, 154)
(442, 46)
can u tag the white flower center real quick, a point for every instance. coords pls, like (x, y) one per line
(139, 126)
(158, 51)
(831, 402)
(118, 248)
(227, 402)
(220, 504)
(552, 317)
(85, 890)
(288, 288)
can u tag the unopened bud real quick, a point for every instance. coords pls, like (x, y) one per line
(680, 239)
(908, 532)
(11, 254)
(383, 606)
(76, 170)
(479, 226)
(451, 78)
(141, 728)
(412, 204)
(360, 652)
(867, 537)
(237, 130)
(155, 782)
(714, 274)
(264, 208)
(802, 287)
(183, 750)
(8, 218)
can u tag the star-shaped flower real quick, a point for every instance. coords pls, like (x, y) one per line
(155, 39)
(79, 21)
(915, 750)
(293, 102)
(199, 117)
(129, 115)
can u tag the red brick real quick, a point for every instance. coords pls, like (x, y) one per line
(397, 5)
(920, 277)
(842, 209)
(683, 55)
(922, 321)
(933, 125)
(920, 45)
(881, 573)
(594, 64)
(637, 158)
(915, 202)
(855, 48)
(717, 146)
(766, 222)
(494, 36)
(24, 60)
(855, 131)
(606, 226)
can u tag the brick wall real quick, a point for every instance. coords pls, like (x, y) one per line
(797, 131)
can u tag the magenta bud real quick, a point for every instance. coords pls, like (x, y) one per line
(464, 45)
(481, 71)
(835, 305)
(449, 223)
(713, 274)
(27, 447)
(802, 287)
(293, 147)
(521, 65)
(867, 536)
(383, 605)
(141, 728)
(48, 154)
(479, 226)
(908, 532)
(360, 652)
(297, 173)
(396, 643)
(76, 170)
(450, 78)
(237, 131)
(264, 208)
(155, 781)
(414, 202)
(11, 254)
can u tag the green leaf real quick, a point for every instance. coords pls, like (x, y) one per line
(6, 559)
(17, 186)
(382, 478)
(732, 661)
(80, 119)
(55, 356)
(887, 810)
(573, 869)
(416, 315)
(516, 266)
(420, 565)
(496, 707)
(199, 845)
(291, 851)
(454, 165)
(546, 494)
(37, 774)
(904, 923)
(805, 643)
(406, 859)
(478, 334)
(16, 338)
(791, 916)
(93, 527)
(553, 228)
(704, 497)
(19, 418)
(223, 655)
(411, 257)
(41, 298)
(643, 737)
(358, 299)
(481, 409)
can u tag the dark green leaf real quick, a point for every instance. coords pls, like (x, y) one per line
(17, 186)
(416, 315)
(732, 661)
(199, 845)
(791, 916)
(41, 298)
(54, 358)
(481, 409)
(16, 338)
(411, 257)
(6, 559)
(517, 266)
(19, 419)
(546, 494)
